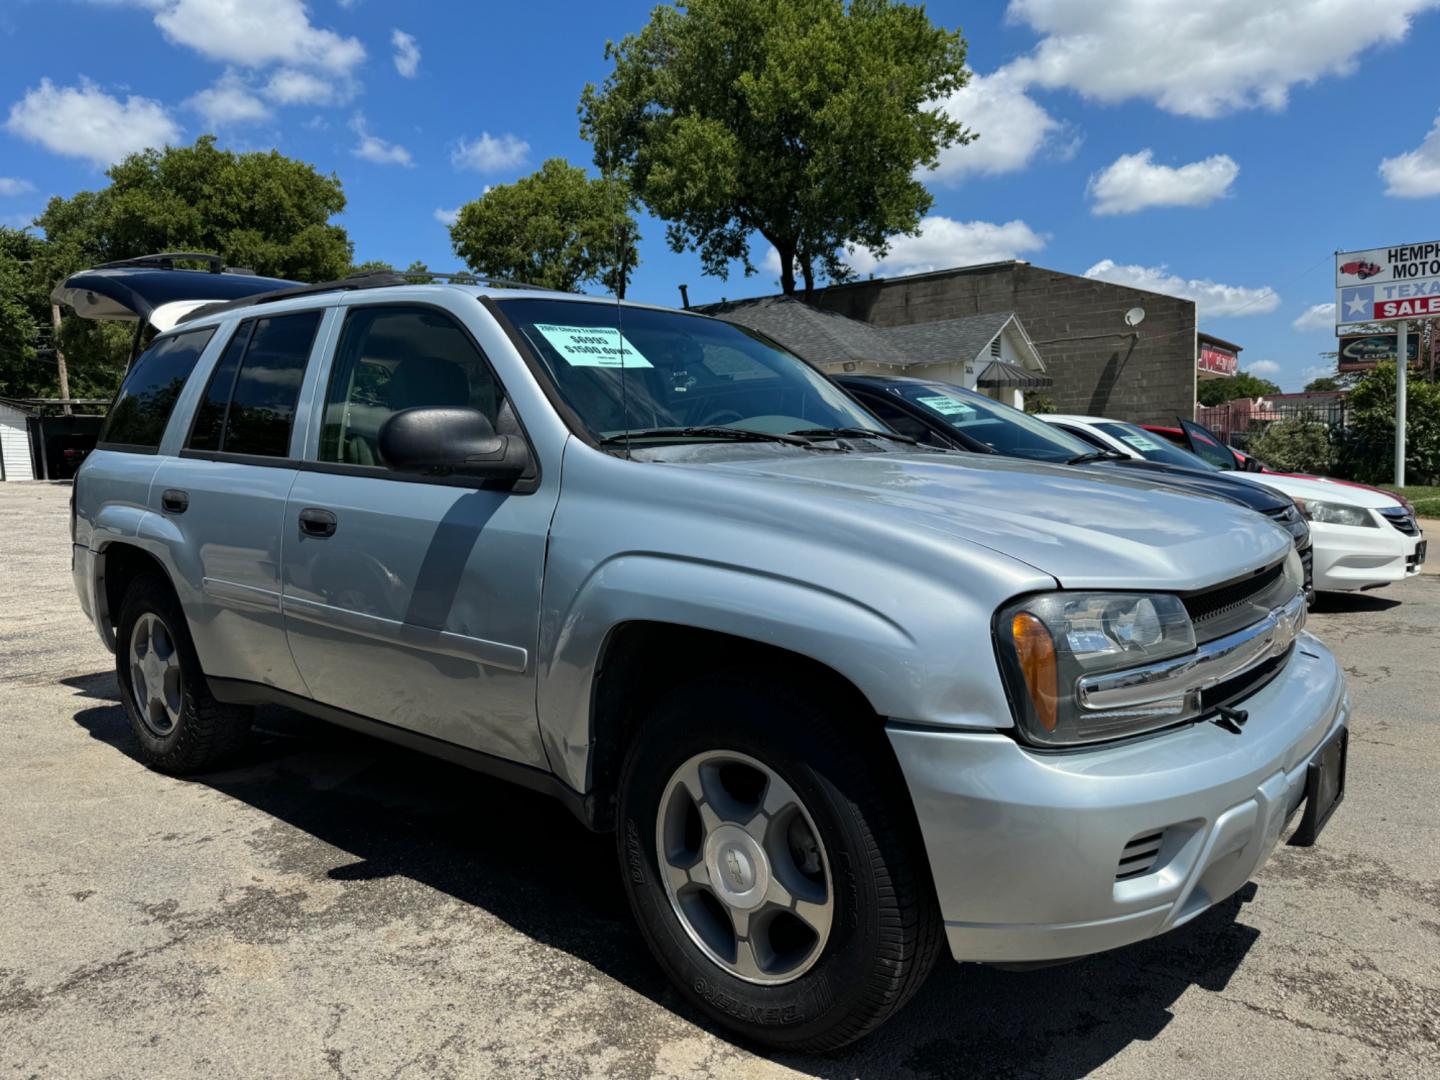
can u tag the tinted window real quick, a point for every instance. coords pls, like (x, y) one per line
(148, 394)
(393, 358)
(249, 407)
(1003, 429)
(1153, 447)
(899, 420)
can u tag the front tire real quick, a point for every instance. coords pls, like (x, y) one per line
(773, 865)
(180, 727)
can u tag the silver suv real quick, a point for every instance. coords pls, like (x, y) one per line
(843, 700)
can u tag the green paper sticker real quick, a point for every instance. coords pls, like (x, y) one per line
(944, 405)
(593, 346)
(1140, 442)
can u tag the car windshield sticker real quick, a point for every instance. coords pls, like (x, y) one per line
(946, 406)
(1140, 442)
(593, 346)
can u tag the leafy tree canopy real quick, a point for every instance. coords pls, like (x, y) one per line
(804, 121)
(1325, 382)
(1367, 448)
(556, 227)
(1241, 385)
(263, 211)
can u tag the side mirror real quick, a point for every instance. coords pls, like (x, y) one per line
(445, 439)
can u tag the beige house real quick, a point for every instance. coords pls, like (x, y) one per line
(990, 353)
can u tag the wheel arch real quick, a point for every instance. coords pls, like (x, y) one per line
(642, 660)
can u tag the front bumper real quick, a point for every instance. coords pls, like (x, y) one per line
(1026, 847)
(1352, 557)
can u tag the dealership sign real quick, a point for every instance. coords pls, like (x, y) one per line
(1381, 284)
(1361, 352)
(1214, 360)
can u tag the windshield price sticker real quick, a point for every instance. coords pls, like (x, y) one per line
(945, 406)
(1140, 442)
(593, 346)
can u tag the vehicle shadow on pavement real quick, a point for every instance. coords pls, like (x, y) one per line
(393, 813)
(1337, 603)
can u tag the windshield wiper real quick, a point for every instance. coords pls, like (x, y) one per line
(1096, 455)
(854, 433)
(737, 434)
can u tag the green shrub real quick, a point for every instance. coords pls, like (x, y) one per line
(1367, 449)
(1296, 446)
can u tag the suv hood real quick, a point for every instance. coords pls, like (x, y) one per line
(1083, 529)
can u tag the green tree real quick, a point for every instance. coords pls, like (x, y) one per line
(805, 121)
(24, 320)
(1367, 447)
(263, 211)
(1297, 445)
(369, 266)
(1324, 383)
(556, 227)
(1241, 385)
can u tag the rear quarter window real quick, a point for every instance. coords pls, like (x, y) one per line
(147, 397)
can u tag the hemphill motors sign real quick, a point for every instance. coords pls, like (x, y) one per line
(1382, 284)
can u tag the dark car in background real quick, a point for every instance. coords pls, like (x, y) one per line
(940, 414)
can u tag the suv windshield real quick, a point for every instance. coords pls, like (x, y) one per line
(1153, 447)
(644, 371)
(1003, 429)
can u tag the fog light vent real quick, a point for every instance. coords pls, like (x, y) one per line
(1139, 855)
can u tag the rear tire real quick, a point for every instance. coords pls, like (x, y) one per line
(179, 725)
(794, 795)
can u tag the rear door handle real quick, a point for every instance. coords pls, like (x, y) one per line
(174, 501)
(314, 522)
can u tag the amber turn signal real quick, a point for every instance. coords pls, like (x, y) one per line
(1036, 651)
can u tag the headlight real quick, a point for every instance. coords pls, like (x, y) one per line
(1049, 642)
(1328, 513)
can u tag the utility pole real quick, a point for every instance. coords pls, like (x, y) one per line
(60, 357)
(1402, 363)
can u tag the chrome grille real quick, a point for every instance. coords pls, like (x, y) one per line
(1138, 857)
(1232, 605)
(1402, 519)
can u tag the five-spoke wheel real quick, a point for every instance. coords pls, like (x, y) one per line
(744, 867)
(155, 679)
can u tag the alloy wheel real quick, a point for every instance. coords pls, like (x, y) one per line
(155, 682)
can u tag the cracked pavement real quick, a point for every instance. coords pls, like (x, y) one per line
(335, 907)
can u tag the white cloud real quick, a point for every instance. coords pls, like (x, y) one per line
(229, 102)
(1211, 298)
(1202, 59)
(256, 33)
(1263, 367)
(374, 149)
(1133, 182)
(407, 53)
(490, 154)
(1316, 317)
(9, 185)
(942, 243)
(1416, 173)
(447, 217)
(1013, 129)
(1318, 371)
(85, 122)
(291, 86)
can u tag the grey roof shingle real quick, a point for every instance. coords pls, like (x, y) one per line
(821, 337)
(950, 339)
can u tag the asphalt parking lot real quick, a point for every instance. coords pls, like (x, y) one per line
(332, 906)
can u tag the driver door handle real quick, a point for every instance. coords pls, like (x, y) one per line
(316, 522)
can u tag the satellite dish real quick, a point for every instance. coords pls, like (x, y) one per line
(1135, 316)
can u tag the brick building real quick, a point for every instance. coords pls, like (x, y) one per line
(1098, 364)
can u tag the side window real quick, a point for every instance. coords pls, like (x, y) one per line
(897, 419)
(148, 394)
(392, 358)
(249, 406)
(1081, 433)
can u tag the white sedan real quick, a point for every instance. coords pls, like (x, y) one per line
(1363, 538)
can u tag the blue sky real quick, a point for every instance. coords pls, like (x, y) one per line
(1222, 153)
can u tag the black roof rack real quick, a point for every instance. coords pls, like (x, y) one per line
(369, 279)
(166, 260)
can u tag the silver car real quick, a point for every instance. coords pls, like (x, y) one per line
(844, 701)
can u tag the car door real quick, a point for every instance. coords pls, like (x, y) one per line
(224, 495)
(415, 600)
(1206, 444)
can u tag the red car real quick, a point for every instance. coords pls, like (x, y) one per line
(1362, 270)
(1205, 443)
